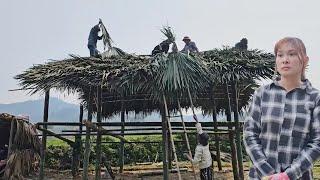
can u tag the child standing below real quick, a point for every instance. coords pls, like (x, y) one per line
(282, 129)
(202, 155)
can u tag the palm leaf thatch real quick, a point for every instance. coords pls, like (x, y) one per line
(78, 73)
(25, 148)
(177, 72)
(230, 64)
(140, 80)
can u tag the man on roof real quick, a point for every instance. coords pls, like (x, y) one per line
(163, 47)
(92, 40)
(189, 46)
(242, 45)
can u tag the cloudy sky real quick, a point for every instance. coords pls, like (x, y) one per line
(33, 32)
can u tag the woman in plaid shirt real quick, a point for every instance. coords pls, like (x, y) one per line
(282, 129)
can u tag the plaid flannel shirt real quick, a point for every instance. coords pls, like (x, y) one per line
(282, 131)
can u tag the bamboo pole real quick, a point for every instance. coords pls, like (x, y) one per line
(76, 150)
(192, 106)
(187, 139)
(231, 137)
(135, 124)
(237, 129)
(87, 145)
(48, 132)
(165, 162)
(215, 125)
(44, 135)
(121, 150)
(170, 150)
(98, 143)
(172, 142)
(103, 131)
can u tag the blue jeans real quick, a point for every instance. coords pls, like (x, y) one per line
(93, 51)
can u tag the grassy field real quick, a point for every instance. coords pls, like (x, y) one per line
(136, 170)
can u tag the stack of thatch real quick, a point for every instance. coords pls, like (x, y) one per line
(24, 150)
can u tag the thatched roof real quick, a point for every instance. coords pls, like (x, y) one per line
(141, 80)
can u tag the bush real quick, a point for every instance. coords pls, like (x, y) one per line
(59, 155)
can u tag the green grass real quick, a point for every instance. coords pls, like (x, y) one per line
(56, 142)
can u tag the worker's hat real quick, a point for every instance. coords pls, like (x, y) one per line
(186, 38)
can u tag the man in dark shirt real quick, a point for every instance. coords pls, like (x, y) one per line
(162, 47)
(92, 40)
(242, 45)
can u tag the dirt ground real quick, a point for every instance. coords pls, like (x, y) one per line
(154, 172)
(144, 172)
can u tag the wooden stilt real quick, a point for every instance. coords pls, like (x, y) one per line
(99, 136)
(44, 135)
(215, 125)
(77, 148)
(121, 150)
(164, 145)
(172, 142)
(87, 145)
(237, 129)
(231, 138)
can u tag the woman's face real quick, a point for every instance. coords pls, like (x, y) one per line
(288, 62)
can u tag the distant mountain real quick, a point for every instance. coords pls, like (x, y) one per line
(58, 110)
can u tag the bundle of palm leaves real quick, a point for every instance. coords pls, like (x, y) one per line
(167, 31)
(25, 148)
(20, 164)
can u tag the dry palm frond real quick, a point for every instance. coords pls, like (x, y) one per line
(167, 31)
(107, 41)
(113, 52)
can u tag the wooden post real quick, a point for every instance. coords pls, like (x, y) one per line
(237, 128)
(215, 125)
(87, 146)
(231, 138)
(76, 150)
(13, 122)
(170, 157)
(186, 139)
(171, 136)
(121, 150)
(164, 145)
(44, 134)
(98, 144)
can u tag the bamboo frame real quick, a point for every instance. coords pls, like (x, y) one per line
(171, 137)
(187, 140)
(231, 138)
(237, 130)
(44, 135)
